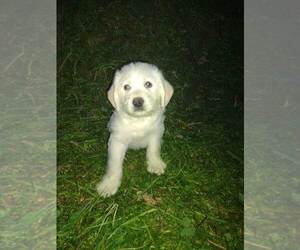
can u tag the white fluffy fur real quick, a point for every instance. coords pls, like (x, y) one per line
(131, 128)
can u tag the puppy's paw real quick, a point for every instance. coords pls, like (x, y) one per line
(108, 186)
(156, 167)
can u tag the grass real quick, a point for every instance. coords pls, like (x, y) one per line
(198, 202)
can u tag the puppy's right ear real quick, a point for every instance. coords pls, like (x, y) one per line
(111, 95)
(112, 92)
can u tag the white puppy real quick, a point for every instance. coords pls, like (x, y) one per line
(139, 93)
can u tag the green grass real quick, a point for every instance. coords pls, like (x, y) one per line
(198, 202)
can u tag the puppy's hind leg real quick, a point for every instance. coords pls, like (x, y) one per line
(155, 163)
(112, 178)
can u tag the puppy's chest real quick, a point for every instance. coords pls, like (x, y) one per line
(137, 137)
(136, 133)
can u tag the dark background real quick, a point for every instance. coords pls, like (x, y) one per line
(198, 203)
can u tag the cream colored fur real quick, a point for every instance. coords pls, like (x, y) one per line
(135, 128)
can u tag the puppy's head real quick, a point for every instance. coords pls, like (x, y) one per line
(139, 89)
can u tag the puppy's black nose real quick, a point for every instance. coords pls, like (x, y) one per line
(138, 102)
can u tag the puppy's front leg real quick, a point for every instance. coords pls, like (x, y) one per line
(112, 178)
(155, 163)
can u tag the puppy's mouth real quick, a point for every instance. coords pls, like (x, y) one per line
(139, 112)
(138, 109)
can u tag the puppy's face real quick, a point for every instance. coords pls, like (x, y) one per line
(139, 89)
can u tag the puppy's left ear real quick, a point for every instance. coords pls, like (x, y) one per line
(167, 93)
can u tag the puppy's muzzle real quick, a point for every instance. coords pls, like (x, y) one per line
(138, 103)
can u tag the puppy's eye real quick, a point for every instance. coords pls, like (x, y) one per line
(127, 87)
(148, 85)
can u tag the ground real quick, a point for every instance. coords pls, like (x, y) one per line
(198, 202)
